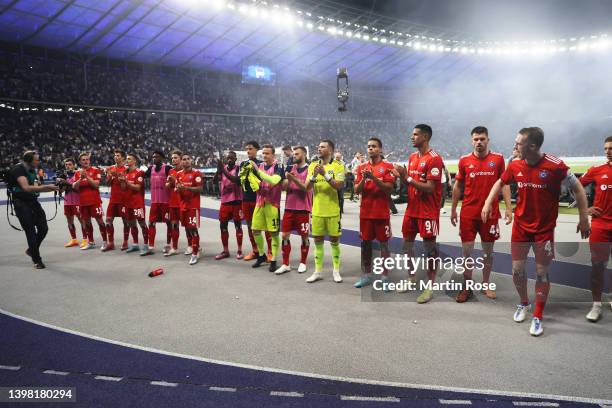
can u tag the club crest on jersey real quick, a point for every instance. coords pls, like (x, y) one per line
(491, 164)
(543, 174)
(422, 164)
(381, 171)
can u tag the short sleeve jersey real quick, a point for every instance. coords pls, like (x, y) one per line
(539, 187)
(478, 176)
(601, 176)
(175, 199)
(89, 195)
(135, 198)
(190, 199)
(374, 201)
(117, 195)
(325, 197)
(423, 168)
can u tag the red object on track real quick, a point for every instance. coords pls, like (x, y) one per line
(156, 272)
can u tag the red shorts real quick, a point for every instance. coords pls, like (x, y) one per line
(247, 210)
(229, 212)
(91, 211)
(158, 212)
(71, 210)
(134, 214)
(426, 228)
(374, 229)
(600, 242)
(115, 210)
(296, 221)
(543, 244)
(190, 218)
(174, 214)
(469, 227)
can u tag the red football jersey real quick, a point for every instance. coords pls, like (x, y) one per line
(478, 176)
(190, 199)
(117, 195)
(375, 202)
(601, 176)
(135, 198)
(175, 199)
(539, 187)
(89, 195)
(423, 168)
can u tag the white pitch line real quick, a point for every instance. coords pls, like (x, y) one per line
(455, 402)
(286, 394)
(164, 384)
(107, 378)
(371, 399)
(222, 389)
(570, 398)
(10, 368)
(53, 372)
(534, 404)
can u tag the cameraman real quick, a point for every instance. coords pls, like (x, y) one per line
(25, 189)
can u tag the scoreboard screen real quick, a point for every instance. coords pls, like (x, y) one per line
(258, 74)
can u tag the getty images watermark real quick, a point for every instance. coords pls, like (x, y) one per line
(411, 265)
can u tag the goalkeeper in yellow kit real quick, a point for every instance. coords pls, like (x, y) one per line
(326, 177)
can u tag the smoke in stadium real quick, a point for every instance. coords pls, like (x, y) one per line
(305, 203)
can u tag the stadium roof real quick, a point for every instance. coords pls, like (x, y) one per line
(307, 42)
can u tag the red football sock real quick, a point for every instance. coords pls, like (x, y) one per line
(152, 231)
(304, 253)
(253, 243)
(542, 289)
(134, 231)
(84, 231)
(90, 236)
(268, 242)
(72, 230)
(520, 283)
(286, 248)
(110, 232)
(225, 240)
(145, 234)
(175, 237)
(239, 239)
(126, 232)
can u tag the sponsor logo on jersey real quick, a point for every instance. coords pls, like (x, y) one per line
(435, 171)
(522, 184)
(604, 187)
(604, 176)
(482, 173)
(471, 166)
(198, 179)
(520, 174)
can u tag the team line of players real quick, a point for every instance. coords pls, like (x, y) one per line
(252, 191)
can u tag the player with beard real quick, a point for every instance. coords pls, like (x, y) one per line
(539, 177)
(298, 205)
(231, 203)
(116, 205)
(477, 172)
(133, 184)
(174, 204)
(71, 205)
(90, 204)
(601, 223)
(160, 197)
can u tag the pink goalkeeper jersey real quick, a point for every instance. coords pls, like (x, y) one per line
(298, 200)
(71, 197)
(159, 192)
(268, 193)
(230, 191)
